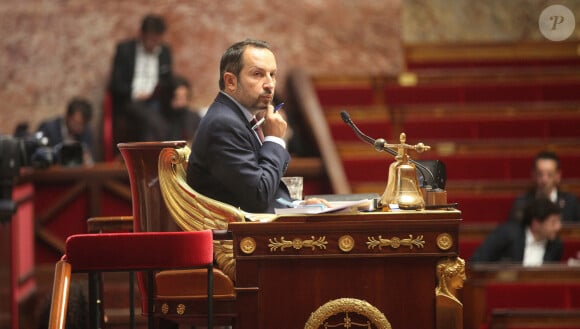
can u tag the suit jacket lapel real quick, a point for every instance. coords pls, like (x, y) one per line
(221, 98)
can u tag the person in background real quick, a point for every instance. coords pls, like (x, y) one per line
(141, 71)
(180, 120)
(547, 176)
(230, 161)
(531, 242)
(74, 127)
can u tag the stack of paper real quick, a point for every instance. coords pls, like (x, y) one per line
(335, 206)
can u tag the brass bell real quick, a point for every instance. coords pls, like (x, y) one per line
(402, 184)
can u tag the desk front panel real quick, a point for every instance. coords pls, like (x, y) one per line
(290, 268)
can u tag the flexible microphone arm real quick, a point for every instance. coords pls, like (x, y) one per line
(346, 118)
(379, 144)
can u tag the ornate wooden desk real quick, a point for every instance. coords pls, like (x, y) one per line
(289, 270)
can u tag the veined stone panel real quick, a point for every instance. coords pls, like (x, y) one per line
(460, 21)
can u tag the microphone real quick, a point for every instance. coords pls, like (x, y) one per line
(346, 118)
(379, 145)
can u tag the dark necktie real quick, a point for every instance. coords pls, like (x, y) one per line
(258, 130)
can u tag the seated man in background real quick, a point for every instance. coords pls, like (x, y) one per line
(531, 242)
(547, 176)
(230, 161)
(180, 120)
(73, 128)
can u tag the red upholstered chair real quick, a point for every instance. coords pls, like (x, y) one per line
(140, 251)
(180, 294)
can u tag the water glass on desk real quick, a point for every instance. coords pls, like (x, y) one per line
(295, 186)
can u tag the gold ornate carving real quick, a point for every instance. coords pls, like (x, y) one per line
(450, 277)
(444, 241)
(395, 242)
(297, 243)
(180, 309)
(193, 211)
(165, 308)
(319, 317)
(346, 243)
(248, 245)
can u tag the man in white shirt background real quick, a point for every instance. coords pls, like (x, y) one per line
(547, 176)
(142, 68)
(531, 242)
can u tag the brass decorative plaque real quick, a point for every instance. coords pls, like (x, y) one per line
(164, 308)
(297, 243)
(395, 242)
(346, 243)
(248, 245)
(444, 241)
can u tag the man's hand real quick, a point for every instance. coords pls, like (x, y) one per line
(316, 201)
(275, 125)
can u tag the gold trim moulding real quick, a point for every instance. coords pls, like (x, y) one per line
(297, 243)
(395, 242)
(179, 309)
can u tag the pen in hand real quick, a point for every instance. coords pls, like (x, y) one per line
(261, 121)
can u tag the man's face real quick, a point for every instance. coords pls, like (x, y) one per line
(76, 123)
(180, 98)
(549, 228)
(254, 88)
(151, 41)
(547, 176)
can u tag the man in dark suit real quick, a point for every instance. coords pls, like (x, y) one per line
(547, 176)
(74, 127)
(230, 161)
(531, 242)
(141, 70)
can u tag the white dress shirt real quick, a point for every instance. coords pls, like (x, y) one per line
(146, 73)
(534, 250)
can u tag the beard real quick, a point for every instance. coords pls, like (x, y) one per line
(253, 104)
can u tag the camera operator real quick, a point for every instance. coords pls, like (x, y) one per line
(71, 136)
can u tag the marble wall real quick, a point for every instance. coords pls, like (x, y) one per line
(478, 21)
(52, 50)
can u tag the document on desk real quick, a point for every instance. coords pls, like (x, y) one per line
(335, 206)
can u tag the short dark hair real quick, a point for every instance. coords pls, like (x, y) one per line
(540, 209)
(547, 155)
(179, 81)
(153, 24)
(232, 58)
(78, 104)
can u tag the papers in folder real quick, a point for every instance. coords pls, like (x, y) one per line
(335, 206)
